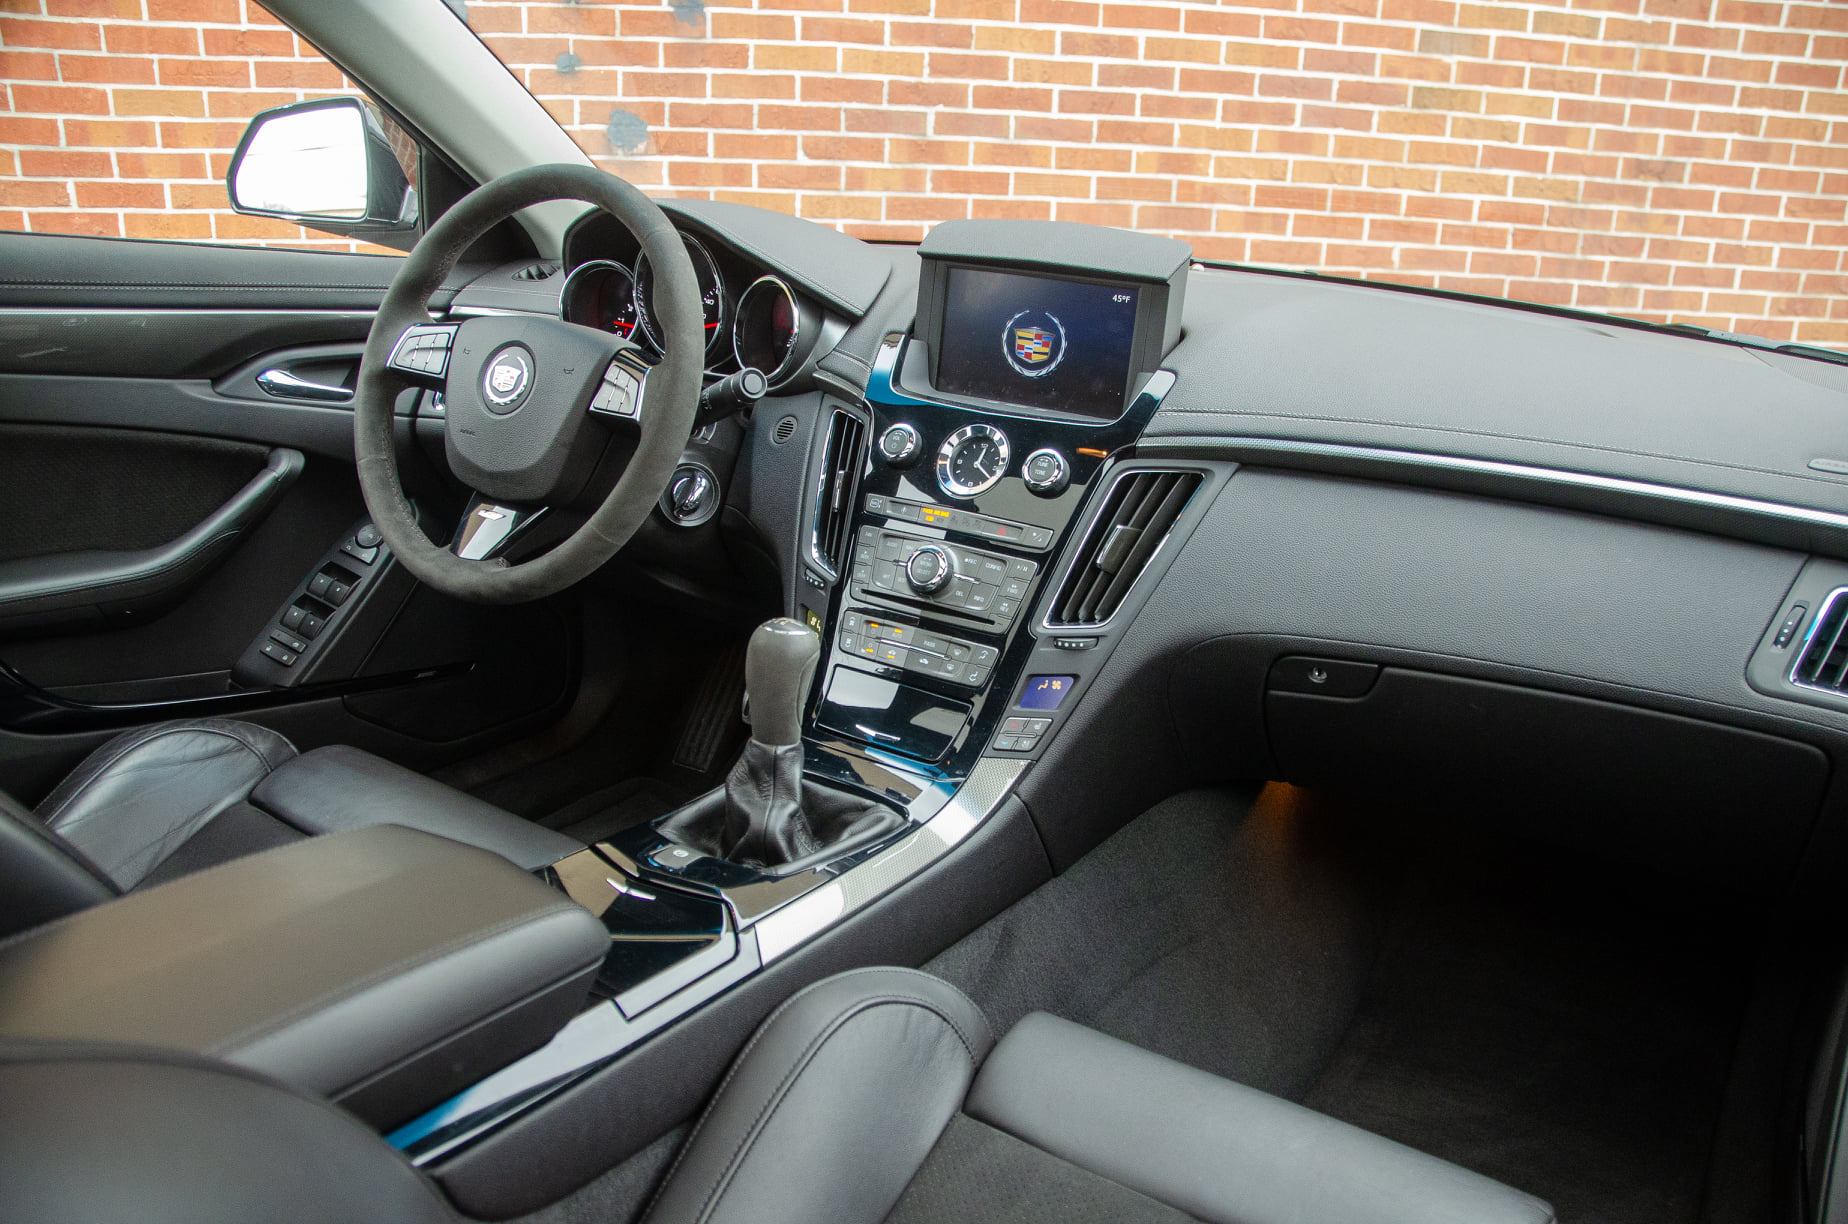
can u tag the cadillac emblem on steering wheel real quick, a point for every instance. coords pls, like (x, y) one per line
(507, 379)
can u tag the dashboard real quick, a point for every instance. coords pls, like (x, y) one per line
(1372, 489)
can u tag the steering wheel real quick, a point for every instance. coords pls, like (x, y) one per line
(531, 402)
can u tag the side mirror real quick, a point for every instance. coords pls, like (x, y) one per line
(328, 165)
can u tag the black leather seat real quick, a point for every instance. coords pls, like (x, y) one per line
(879, 1094)
(163, 801)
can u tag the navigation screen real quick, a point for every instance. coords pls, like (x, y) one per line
(1037, 341)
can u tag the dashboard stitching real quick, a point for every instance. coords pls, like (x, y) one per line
(1479, 433)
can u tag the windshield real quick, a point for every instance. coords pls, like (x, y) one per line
(1677, 171)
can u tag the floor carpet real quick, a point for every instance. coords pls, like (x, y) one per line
(1560, 1025)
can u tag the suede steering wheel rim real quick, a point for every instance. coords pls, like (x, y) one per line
(554, 396)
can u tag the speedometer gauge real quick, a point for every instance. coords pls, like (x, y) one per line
(600, 294)
(711, 295)
(972, 460)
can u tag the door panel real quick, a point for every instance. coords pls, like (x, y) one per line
(131, 412)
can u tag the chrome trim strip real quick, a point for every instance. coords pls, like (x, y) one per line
(1822, 614)
(1755, 507)
(793, 925)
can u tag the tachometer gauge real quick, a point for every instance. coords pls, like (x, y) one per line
(711, 295)
(972, 460)
(600, 294)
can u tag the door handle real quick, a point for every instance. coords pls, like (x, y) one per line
(284, 385)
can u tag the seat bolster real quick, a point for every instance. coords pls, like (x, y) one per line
(1215, 1149)
(45, 876)
(331, 789)
(134, 800)
(832, 1107)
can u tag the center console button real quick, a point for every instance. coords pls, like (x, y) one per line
(1017, 568)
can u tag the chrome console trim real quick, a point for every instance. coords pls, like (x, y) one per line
(792, 925)
(603, 1032)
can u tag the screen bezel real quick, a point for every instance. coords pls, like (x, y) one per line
(1146, 347)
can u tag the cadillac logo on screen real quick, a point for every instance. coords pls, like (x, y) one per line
(1034, 342)
(509, 375)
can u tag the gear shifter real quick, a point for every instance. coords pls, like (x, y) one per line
(778, 666)
(769, 816)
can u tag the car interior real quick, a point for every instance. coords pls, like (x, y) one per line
(656, 708)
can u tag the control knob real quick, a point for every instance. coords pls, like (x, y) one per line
(1046, 473)
(929, 569)
(899, 445)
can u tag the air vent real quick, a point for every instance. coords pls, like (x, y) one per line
(1138, 513)
(538, 271)
(1823, 661)
(840, 469)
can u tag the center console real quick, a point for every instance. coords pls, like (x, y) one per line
(939, 518)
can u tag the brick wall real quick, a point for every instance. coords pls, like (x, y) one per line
(1675, 159)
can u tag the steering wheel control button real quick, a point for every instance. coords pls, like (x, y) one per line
(900, 445)
(507, 378)
(1046, 473)
(423, 350)
(620, 393)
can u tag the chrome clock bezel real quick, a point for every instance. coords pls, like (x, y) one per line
(945, 453)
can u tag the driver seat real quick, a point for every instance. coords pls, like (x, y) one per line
(160, 802)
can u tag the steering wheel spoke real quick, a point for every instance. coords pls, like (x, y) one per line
(487, 527)
(422, 353)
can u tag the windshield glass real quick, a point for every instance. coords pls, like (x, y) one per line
(1673, 169)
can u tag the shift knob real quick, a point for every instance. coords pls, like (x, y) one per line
(778, 666)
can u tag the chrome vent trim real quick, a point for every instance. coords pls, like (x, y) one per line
(1822, 661)
(831, 521)
(1137, 514)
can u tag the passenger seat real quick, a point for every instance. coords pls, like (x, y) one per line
(881, 1094)
(876, 1095)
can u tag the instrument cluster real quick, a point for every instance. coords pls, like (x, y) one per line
(751, 318)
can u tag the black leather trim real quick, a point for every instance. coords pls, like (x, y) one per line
(360, 963)
(137, 797)
(833, 1105)
(335, 788)
(1217, 1150)
(103, 1134)
(45, 876)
